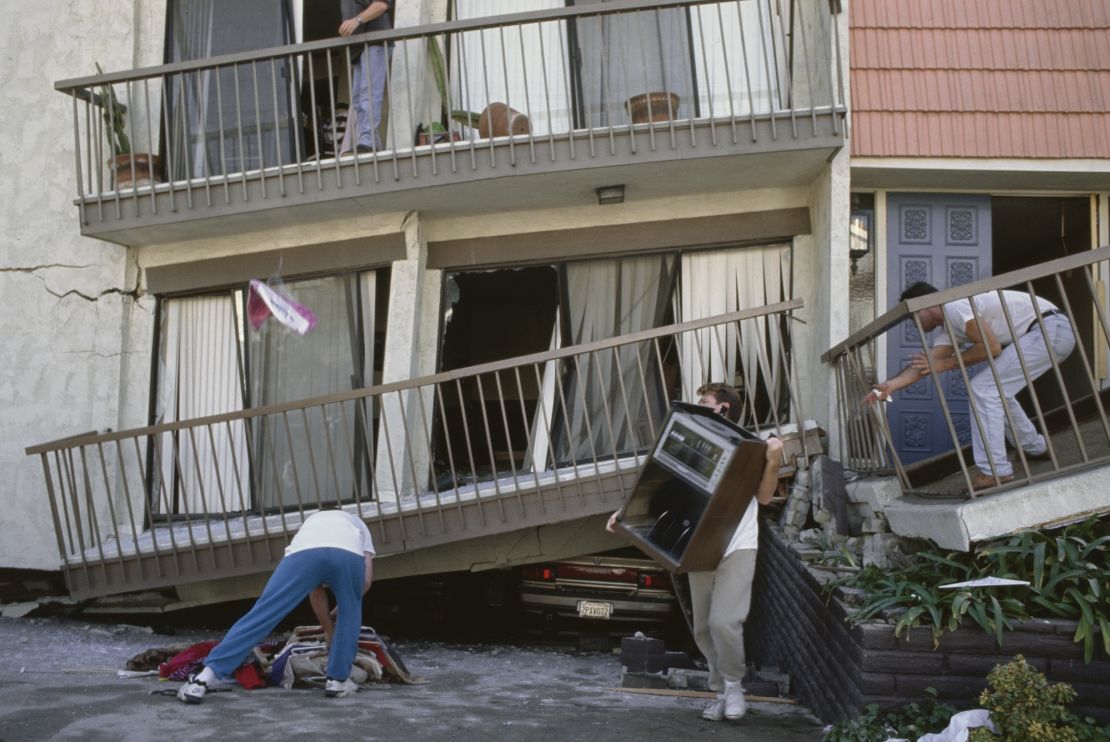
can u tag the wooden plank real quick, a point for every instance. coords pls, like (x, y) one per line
(678, 693)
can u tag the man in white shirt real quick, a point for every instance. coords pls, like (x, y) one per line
(720, 600)
(1033, 320)
(333, 548)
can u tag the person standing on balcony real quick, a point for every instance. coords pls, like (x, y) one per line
(1032, 323)
(369, 67)
(332, 548)
(720, 600)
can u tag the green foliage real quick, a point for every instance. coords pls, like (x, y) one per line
(438, 64)
(1025, 707)
(910, 721)
(114, 113)
(1068, 571)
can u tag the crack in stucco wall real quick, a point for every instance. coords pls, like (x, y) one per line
(134, 293)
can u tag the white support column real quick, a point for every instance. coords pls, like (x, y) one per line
(881, 264)
(403, 433)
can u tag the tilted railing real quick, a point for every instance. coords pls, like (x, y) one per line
(532, 440)
(586, 79)
(1067, 403)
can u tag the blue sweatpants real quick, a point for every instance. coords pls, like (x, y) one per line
(295, 577)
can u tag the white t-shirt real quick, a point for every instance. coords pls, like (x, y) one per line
(336, 529)
(1018, 304)
(746, 535)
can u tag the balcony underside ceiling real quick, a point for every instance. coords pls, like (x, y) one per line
(1077, 176)
(484, 180)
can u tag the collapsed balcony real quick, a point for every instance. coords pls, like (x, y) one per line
(1067, 403)
(664, 91)
(546, 438)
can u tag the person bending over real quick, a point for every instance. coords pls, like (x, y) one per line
(331, 548)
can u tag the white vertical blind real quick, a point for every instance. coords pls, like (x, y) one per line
(746, 354)
(522, 66)
(200, 376)
(736, 72)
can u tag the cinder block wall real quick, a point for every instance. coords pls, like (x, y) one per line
(837, 670)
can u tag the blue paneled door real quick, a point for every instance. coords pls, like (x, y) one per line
(945, 240)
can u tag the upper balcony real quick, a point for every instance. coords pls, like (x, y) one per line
(663, 96)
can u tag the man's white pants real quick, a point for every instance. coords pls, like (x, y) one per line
(720, 601)
(988, 402)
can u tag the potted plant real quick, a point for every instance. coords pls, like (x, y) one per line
(649, 107)
(496, 119)
(129, 170)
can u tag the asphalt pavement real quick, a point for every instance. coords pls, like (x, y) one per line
(58, 681)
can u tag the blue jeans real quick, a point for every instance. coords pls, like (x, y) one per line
(367, 91)
(295, 577)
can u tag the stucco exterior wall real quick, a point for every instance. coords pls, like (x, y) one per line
(68, 300)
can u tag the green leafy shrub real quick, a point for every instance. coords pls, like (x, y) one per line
(910, 721)
(1025, 707)
(1068, 570)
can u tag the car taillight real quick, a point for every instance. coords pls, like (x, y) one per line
(542, 572)
(656, 581)
(600, 574)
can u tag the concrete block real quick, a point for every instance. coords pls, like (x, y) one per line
(809, 535)
(958, 525)
(631, 679)
(688, 679)
(875, 524)
(666, 660)
(636, 651)
(875, 492)
(822, 516)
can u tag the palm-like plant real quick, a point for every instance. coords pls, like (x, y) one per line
(114, 113)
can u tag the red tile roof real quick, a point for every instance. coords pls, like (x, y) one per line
(980, 78)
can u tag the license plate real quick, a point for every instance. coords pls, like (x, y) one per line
(594, 609)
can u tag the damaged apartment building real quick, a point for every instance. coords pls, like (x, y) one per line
(579, 212)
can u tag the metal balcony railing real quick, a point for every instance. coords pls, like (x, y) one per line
(1067, 403)
(590, 82)
(533, 440)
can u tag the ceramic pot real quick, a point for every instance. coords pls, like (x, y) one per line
(498, 120)
(147, 169)
(648, 107)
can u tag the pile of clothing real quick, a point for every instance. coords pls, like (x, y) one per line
(298, 661)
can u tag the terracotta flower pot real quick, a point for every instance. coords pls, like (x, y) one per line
(498, 120)
(147, 170)
(648, 107)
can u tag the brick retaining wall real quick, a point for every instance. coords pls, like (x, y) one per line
(837, 670)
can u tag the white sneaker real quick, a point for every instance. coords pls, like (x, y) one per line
(192, 690)
(735, 703)
(715, 711)
(340, 688)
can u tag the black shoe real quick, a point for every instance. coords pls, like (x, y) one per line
(364, 149)
(1042, 456)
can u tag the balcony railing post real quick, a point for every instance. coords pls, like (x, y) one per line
(923, 336)
(52, 499)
